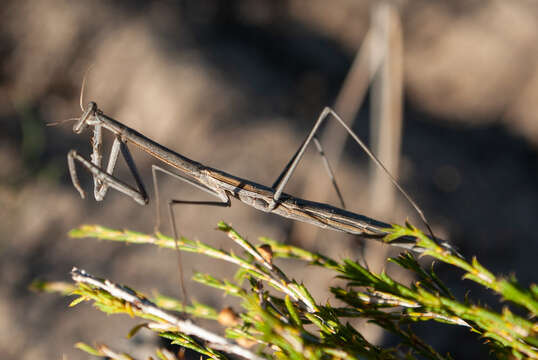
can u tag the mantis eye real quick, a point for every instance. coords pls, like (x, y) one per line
(82, 124)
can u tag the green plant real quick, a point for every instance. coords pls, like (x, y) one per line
(290, 323)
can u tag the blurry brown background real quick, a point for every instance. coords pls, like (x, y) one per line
(236, 85)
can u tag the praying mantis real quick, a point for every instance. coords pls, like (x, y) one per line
(224, 186)
(219, 183)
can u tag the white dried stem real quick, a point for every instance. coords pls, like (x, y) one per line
(146, 306)
(108, 352)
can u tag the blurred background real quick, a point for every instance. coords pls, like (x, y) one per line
(237, 85)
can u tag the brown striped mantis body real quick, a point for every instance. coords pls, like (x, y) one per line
(220, 184)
